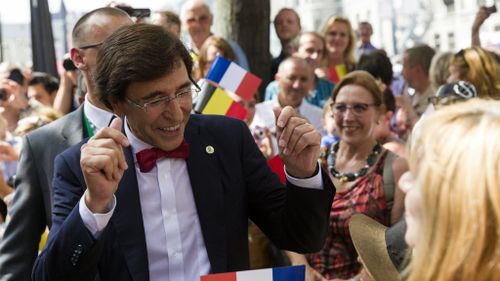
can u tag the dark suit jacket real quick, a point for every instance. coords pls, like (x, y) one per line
(32, 204)
(229, 186)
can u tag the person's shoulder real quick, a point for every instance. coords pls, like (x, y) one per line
(59, 124)
(214, 121)
(53, 131)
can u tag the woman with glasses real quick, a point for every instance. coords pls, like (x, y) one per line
(356, 165)
(478, 67)
(340, 48)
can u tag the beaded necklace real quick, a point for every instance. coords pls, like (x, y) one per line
(347, 177)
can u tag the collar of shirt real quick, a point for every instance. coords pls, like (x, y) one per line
(277, 104)
(99, 117)
(135, 143)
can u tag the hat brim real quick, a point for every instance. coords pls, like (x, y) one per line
(368, 237)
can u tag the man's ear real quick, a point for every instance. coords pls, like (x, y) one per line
(77, 58)
(277, 76)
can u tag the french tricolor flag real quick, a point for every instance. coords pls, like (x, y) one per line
(233, 77)
(288, 273)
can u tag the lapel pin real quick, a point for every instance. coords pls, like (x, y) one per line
(210, 149)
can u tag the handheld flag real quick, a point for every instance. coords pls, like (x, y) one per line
(234, 78)
(220, 103)
(287, 273)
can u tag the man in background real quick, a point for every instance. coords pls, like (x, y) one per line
(32, 204)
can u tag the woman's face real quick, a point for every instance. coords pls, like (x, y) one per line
(355, 114)
(337, 38)
(454, 74)
(212, 53)
(413, 208)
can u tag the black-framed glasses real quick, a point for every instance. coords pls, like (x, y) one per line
(160, 102)
(356, 108)
(90, 46)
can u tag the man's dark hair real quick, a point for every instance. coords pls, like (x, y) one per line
(49, 82)
(421, 55)
(137, 53)
(377, 64)
(81, 25)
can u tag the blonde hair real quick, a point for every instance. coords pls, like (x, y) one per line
(476, 66)
(350, 61)
(439, 69)
(37, 119)
(460, 235)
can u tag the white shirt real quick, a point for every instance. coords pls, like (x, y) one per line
(98, 118)
(264, 115)
(175, 246)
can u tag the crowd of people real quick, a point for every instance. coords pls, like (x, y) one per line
(108, 172)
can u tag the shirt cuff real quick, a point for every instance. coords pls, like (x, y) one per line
(314, 182)
(96, 223)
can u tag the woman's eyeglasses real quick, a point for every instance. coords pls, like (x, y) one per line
(356, 108)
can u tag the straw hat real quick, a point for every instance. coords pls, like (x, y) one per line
(369, 238)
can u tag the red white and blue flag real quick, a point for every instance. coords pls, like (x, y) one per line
(287, 273)
(233, 78)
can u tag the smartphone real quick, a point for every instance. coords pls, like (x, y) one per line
(491, 9)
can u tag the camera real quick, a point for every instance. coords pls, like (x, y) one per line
(258, 133)
(68, 64)
(491, 9)
(16, 76)
(135, 13)
(3, 94)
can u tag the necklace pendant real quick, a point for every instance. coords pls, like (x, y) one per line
(343, 179)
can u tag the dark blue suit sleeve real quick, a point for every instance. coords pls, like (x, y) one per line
(71, 253)
(294, 218)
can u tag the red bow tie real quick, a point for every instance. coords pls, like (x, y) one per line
(147, 157)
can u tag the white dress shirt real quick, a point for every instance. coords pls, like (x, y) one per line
(174, 241)
(264, 115)
(98, 118)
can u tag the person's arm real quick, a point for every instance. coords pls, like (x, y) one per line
(19, 246)
(294, 217)
(90, 171)
(399, 167)
(481, 15)
(64, 95)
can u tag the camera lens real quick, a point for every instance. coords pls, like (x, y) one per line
(68, 64)
(3, 94)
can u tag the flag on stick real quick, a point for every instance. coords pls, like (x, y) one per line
(220, 103)
(234, 78)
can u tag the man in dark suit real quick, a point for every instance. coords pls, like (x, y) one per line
(31, 209)
(168, 198)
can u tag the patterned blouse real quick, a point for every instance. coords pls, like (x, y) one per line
(338, 258)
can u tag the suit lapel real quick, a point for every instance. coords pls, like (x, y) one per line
(206, 183)
(73, 129)
(127, 220)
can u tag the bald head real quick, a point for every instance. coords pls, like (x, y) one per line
(94, 18)
(295, 79)
(197, 19)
